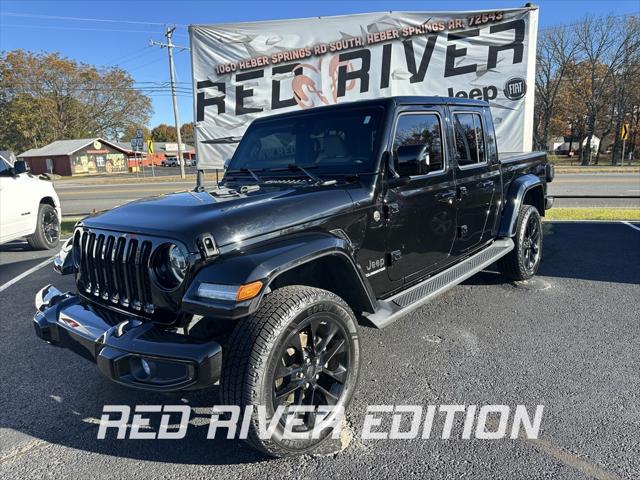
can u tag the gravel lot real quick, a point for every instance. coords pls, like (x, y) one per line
(569, 340)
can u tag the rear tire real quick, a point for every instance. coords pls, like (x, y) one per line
(523, 261)
(47, 234)
(292, 351)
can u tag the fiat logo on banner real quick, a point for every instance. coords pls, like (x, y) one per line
(515, 88)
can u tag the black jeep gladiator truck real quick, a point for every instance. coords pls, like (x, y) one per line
(325, 219)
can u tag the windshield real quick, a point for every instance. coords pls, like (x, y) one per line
(332, 141)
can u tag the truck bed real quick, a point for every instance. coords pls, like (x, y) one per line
(521, 157)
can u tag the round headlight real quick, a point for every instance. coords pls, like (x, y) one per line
(170, 265)
(177, 262)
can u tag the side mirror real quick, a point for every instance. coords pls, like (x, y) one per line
(412, 160)
(20, 166)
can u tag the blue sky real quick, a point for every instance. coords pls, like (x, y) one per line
(119, 39)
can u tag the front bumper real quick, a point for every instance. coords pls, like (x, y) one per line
(129, 352)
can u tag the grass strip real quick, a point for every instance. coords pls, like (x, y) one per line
(594, 213)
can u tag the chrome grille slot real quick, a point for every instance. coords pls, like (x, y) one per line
(116, 271)
(115, 268)
(103, 282)
(145, 291)
(93, 265)
(133, 257)
(84, 261)
(107, 252)
(124, 263)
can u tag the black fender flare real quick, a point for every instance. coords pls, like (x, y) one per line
(516, 194)
(266, 261)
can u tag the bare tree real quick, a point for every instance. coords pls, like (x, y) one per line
(602, 43)
(556, 51)
(626, 78)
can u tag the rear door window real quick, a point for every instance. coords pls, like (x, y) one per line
(469, 135)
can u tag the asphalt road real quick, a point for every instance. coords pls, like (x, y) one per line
(596, 185)
(81, 198)
(568, 340)
(613, 184)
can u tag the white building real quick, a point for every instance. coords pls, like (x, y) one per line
(561, 144)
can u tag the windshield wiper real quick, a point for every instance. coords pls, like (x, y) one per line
(295, 166)
(249, 171)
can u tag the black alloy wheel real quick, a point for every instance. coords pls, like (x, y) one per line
(299, 349)
(523, 261)
(531, 244)
(313, 366)
(47, 233)
(51, 227)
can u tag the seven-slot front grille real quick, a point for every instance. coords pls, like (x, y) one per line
(115, 268)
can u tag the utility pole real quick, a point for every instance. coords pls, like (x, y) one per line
(176, 115)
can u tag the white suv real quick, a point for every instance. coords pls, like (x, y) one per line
(29, 206)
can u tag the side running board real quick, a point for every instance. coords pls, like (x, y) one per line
(404, 302)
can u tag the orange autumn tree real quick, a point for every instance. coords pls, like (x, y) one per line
(46, 97)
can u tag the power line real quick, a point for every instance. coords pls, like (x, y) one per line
(138, 67)
(112, 89)
(84, 19)
(149, 87)
(165, 82)
(163, 24)
(129, 57)
(54, 27)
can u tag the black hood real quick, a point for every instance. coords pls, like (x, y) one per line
(228, 217)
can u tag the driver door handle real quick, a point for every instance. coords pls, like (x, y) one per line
(446, 197)
(486, 184)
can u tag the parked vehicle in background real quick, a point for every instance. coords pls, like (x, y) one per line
(172, 162)
(29, 205)
(324, 216)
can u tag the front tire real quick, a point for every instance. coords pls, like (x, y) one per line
(300, 348)
(47, 234)
(523, 261)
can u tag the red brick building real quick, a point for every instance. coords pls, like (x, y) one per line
(77, 157)
(161, 150)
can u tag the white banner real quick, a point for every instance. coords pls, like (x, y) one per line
(249, 70)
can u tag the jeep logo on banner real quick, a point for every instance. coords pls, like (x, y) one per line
(249, 70)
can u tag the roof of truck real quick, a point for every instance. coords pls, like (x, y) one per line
(397, 100)
(417, 100)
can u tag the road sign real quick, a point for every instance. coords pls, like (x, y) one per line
(140, 143)
(139, 133)
(624, 132)
(134, 143)
(624, 136)
(150, 146)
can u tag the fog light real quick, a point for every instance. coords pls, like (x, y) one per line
(145, 366)
(141, 369)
